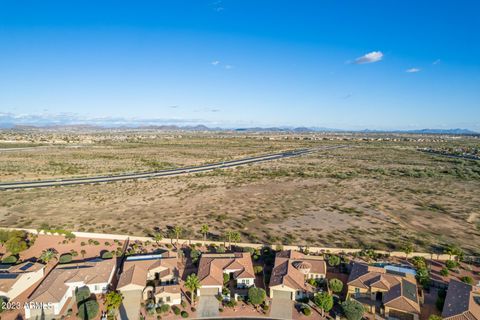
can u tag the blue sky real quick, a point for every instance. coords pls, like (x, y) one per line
(339, 64)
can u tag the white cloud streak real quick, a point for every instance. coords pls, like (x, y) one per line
(370, 57)
(413, 70)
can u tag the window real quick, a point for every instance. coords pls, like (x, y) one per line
(168, 299)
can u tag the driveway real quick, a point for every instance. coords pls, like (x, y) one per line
(208, 307)
(281, 308)
(130, 308)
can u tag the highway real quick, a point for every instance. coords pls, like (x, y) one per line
(161, 173)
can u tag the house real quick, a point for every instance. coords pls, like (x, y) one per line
(49, 300)
(393, 294)
(213, 266)
(16, 279)
(462, 302)
(291, 271)
(156, 276)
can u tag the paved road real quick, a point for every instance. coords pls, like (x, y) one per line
(208, 307)
(162, 173)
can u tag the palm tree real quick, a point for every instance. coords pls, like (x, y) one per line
(407, 250)
(193, 284)
(178, 231)
(47, 255)
(235, 236)
(157, 237)
(228, 236)
(204, 231)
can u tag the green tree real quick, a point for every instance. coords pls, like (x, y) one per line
(88, 310)
(16, 244)
(324, 301)
(113, 300)
(177, 230)
(228, 237)
(48, 255)
(333, 260)
(195, 255)
(336, 285)
(434, 317)
(352, 309)
(256, 296)
(423, 276)
(226, 278)
(407, 249)
(204, 230)
(235, 237)
(193, 284)
(157, 237)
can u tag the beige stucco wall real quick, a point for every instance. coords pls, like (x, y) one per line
(25, 281)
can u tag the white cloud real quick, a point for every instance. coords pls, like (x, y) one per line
(370, 57)
(412, 70)
(215, 63)
(228, 66)
(436, 62)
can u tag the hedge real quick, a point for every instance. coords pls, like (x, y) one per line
(65, 258)
(107, 255)
(9, 260)
(88, 310)
(176, 310)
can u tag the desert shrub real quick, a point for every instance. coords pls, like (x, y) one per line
(164, 308)
(444, 272)
(88, 310)
(107, 255)
(184, 304)
(176, 310)
(231, 303)
(467, 279)
(9, 260)
(193, 309)
(65, 258)
(451, 264)
(306, 311)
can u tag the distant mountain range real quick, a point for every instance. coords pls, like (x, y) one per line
(71, 121)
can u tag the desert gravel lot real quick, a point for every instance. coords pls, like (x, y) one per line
(379, 194)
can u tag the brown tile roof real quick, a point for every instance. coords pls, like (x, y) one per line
(8, 277)
(211, 267)
(53, 287)
(284, 271)
(462, 302)
(168, 289)
(401, 292)
(135, 271)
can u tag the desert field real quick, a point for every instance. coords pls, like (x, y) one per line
(380, 192)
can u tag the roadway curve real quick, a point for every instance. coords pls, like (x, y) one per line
(160, 173)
